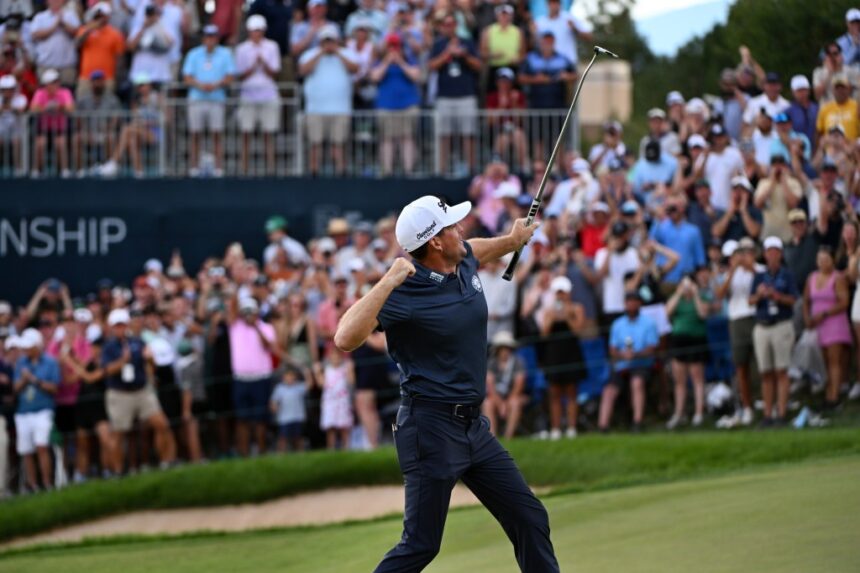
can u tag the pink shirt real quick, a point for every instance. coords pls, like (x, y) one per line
(70, 385)
(249, 357)
(62, 97)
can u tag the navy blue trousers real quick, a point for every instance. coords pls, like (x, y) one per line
(435, 449)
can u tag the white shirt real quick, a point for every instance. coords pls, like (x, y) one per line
(618, 152)
(613, 283)
(719, 170)
(501, 295)
(565, 38)
(573, 195)
(328, 88)
(762, 144)
(57, 50)
(740, 290)
(171, 20)
(772, 108)
(296, 252)
(259, 86)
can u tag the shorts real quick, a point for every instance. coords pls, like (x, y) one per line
(251, 399)
(457, 115)
(52, 123)
(265, 116)
(90, 411)
(123, 408)
(741, 339)
(620, 377)
(219, 395)
(773, 345)
(398, 124)
(688, 349)
(331, 128)
(291, 430)
(64, 418)
(205, 115)
(33, 430)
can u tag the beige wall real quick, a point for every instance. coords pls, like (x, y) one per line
(606, 94)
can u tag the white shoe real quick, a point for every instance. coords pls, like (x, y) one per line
(34, 174)
(194, 172)
(854, 393)
(218, 173)
(555, 434)
(109, 169)
(697, 420)
(727, 422)
(675, 421)
(65, 174)
(570, 433)
(542, 435)
(747, 417)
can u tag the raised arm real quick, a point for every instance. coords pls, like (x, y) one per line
(486, 250)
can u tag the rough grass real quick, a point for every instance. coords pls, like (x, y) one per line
(585, 464)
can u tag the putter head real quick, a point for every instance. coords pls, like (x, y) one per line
(605, 52)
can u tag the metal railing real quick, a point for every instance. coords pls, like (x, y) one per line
(283, 141)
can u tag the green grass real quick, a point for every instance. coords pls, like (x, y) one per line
(792, 518)
(587, 464)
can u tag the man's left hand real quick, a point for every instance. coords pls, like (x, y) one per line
(521, 233)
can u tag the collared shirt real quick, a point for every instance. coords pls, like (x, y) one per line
(697, 215)
(686, 240)
(436, 327)
(328, 88)
(769, 311)
(736, 229)
(396, 90)
(133, 374)
(32, 398)
(57, 50)
(551, 95)
(565, 38)
(834, 113)
(762, 102)
(456, 78)
(171, 21)
(259, 86)
(249, 356)
(800, 257)
(637, 335)
(850, 49)
(652, 172)
(209, 68)
(804, 119)
(777, 147)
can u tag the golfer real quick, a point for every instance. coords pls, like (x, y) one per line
(434, 314)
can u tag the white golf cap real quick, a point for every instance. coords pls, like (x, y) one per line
(852, 14)
(799, 82)
(327, 245)
(103, 7)
(248, 304)
(741, 181)
(580, 165)
(83, 315)
(14, 341)
(503, 339)
(30, 338)
(507, 190)
(329, 32)
(379, 243)
(773, 243)
(153, 265)
(561, 284)
(729, 247)
(599, 207)
(674, 97)
(50, 75)
(697, 105)
(696, 140)
(356, 264)
(118, 316)
(424, 218)
(656, 112)
(255, 22)
(5, 307)
(8, 82)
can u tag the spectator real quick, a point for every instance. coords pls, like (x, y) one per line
(675, 110)
(501, 298)
(633, 342)
(788, 142)
(681, 236)
(371, 377)
(776, 196)
(742, 218)
(731, 103)
(227, 17)
(37, 378)
(327, 71)
(506, 381)
(593, 230)
(482, 192)
(142, 131)
(207, 70)
(750, 74)
(564, 365)
(802, 249)
(842, 111)
(718, 165)
(12, 107)
(689, 307)
(833, 66)
(364, 51)
(763, 138)
(52, 104)
(610, 149)
(332, 308)
(774, 292)
(397, 76)
(54, 31)
(852, 273)
(305, 35)
(825, 302)
(565, 27)
(659, 130)
(752, 169)
(697, 117)
(335, 376)
(653, 173)
(576, 193)
(277, 15)
(288, 406)
(252, 343)
(849, 42)
(101, 47)
(508, 129)
(359, 248)
(129, 397)
(406, 24)
(153, 41)
(503, 45)
(702, 213)
(96, 122)
(276, 230)
(770, 102)
(457, 65)
(367, 12)
(8, 357)
(803, 111)
(258, 63)
(612, 264)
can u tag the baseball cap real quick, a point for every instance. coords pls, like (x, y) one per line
(561, 284)
(393, 40)
(255, 22)
(799, 82)
(547, 33)
(503, 339)
(379, 243)
(696, 140)
(13, 341)
(153, 265)
(741, 181)
(50, 75)
(580, 165)
(630, 207)
(656, 112)
(599, 207)
(327, 245)
(118, 316)
(717, 129)
(83, 315)
(746, 244)
(506, 73)
(30, 338)
(103, 8)
(424, 218)
(852, 15)
(97, 75)
(356, 264)
(674, 97)
(632, 295)
(210, 30)
(781, 117)
(796, 215)
(104, 284)
(275, 223)
(248, 305)
(697, 105)
(504, 8)
(5, 307)
(619, 228)
(141, 78)
(840, 79)
(613, 125)
(729, 248)
(338, 226)
(772, 78)
(8, 82)
(317, 3)
(525, 200)
(773, 243)
(329, 32)
(828, 164)
(507, 190)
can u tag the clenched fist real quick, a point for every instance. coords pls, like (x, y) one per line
(401, 270)
(522, 234)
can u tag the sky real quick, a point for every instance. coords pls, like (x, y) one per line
(669, 24)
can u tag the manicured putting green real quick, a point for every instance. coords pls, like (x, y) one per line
(793, 518)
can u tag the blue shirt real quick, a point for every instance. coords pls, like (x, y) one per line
(551, 95)
(32, 398)
(208, 68)
(396, 90)
(686, 240)
(697, 215)
(777, 147)
(850, 50)
(112, 351)
(456, 78)
(436, 327)
(735, 229)
(637, 334)
(768, 311)
(645, 172)
(803, 119)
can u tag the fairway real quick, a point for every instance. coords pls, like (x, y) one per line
(802, 517)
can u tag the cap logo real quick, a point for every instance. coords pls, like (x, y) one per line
(442, 206)
(426, 232)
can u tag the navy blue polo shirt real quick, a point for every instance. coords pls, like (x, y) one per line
(436, 327)
(112, 351)
(456, 78)
(551, 95)
(767, 311)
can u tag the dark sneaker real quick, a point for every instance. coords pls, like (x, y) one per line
(765, 424)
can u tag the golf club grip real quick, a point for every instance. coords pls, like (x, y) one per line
(509, 272)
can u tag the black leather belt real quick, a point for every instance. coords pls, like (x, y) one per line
(464, 411)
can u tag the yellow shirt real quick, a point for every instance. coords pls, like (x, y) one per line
(504, 45)
(845, 115)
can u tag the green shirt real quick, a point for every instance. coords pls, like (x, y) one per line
(685, 319)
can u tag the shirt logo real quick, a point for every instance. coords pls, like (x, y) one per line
(426, 232)
(437, 277)
(443, 206)
(476, 283)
